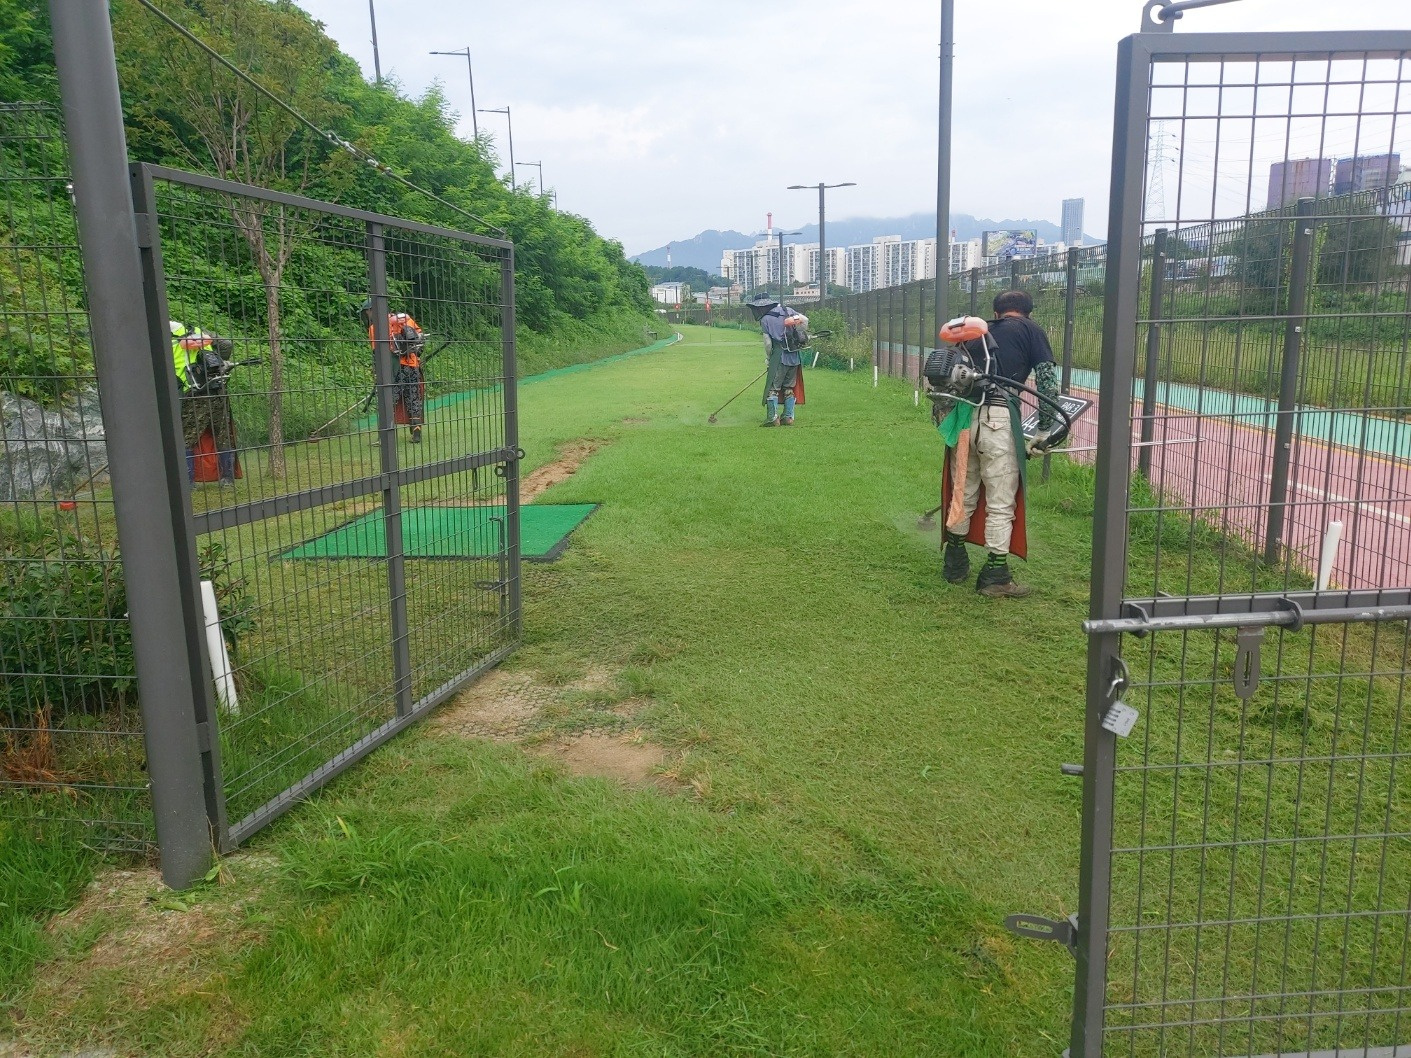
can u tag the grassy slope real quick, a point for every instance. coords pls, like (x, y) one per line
(877, 754)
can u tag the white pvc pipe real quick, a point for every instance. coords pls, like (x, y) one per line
(916, 398)
(215, 646)
(815, 359)
(1331, 539)
(874, 376)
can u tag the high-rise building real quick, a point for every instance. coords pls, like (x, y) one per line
(1366, 172)
(1298, 178)
(965, 255)
(1073, 221)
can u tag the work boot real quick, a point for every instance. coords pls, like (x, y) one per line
(416, 435)
(955, 565)
(787, 420)
(770, 422)
(996, 581)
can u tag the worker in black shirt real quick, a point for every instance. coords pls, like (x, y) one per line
(984, 470)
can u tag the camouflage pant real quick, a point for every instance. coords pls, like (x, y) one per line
(408, 383)
(202, 413)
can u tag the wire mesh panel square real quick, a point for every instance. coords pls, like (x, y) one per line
(1247, 847)
(347, 391)
(71, 751)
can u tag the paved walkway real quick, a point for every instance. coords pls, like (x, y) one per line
(1221, 473)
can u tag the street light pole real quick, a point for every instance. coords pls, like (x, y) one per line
(509, 124)
(540, 167)
(943, 162)
(376, 59)
(474, 125)
(822, 241)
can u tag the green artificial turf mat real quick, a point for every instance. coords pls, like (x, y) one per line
(452, 532)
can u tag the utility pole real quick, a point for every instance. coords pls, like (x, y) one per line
(943, 161)
(474, 125)
(376, 59)
(822, 241)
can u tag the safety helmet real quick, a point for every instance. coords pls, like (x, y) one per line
(178, 329)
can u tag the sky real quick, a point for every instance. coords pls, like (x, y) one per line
(657, 122)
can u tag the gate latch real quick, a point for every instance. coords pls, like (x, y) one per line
(1247, 644)
(1034, 927)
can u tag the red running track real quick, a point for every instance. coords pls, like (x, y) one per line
(1222, 476)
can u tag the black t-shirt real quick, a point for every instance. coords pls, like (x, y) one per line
(1020, 346)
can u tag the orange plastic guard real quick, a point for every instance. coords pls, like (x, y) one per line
(964, 328)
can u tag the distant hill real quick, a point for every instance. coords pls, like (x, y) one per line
(701, 252)
(704, 250)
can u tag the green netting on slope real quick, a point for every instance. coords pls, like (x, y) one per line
(367, 422)
(452, 532)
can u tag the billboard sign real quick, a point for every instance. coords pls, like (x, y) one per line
(1007, 245)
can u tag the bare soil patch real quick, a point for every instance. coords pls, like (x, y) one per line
(133, 941)
(625, 758)
(582, 722)
(571, 456)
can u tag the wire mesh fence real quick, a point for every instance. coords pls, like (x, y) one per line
(1224, 288)
(344, 386)
(357, 435)
(1249, 883)
(71, 752)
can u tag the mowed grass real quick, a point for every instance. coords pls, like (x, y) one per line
(870, 759)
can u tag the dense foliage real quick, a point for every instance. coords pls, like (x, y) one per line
(184, 110)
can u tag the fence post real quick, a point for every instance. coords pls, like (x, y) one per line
(511, 398)
(391, 488)
(151, 498)
(1153, 351)
(876, 297)
(1299, 269)
(891, 331)
(1070, 304)
(905, 348)
(974, 296)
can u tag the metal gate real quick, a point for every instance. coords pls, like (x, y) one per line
(1246, 849)
(360, 573)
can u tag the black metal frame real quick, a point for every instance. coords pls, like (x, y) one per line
(388, 484)
(1112, 611)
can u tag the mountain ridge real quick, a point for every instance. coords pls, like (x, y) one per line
(704, 249)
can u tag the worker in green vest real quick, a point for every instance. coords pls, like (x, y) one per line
(202, 364)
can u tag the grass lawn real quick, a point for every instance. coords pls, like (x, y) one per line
(867, 762)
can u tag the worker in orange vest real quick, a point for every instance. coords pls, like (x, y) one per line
(408, 344)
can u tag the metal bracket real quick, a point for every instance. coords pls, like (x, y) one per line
(1036, 927)
(1247, 644)
(1167, 11)
(1136, 612)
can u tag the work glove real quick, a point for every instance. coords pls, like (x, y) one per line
(1038, 444)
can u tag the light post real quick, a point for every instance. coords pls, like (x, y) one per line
(376, 59)
(540, 167)
(505, 110)
(822, 243)
(943, 162)
(474, 125)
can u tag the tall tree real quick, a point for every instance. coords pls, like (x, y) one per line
(219, 122)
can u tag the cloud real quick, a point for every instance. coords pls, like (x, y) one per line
(657, 122)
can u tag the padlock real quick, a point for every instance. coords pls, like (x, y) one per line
(1120, 718)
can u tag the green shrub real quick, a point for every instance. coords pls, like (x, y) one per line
(62, 620)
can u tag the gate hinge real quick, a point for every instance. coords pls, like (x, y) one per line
(145, 229)
(1064, 931)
